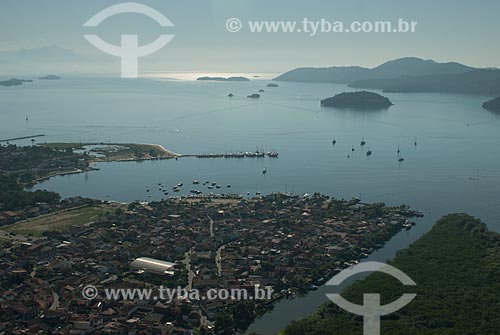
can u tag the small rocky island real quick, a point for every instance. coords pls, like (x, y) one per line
(50, 77)
(492, 105)
(357, 100)
(14, 82)
(273, 85)
(253, 96)
(223, 79)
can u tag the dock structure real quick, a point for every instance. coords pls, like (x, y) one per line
(21, 138)
(256, 154)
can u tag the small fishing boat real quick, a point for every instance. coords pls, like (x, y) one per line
(264, 171)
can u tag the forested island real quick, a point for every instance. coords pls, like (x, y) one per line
(492, 105)
(14, 82)
(456, 267)
(50, 77)
(223, 79)
(357, 100)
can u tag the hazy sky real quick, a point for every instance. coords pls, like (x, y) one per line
(447, 30)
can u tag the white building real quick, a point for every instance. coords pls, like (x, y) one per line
(151, 265)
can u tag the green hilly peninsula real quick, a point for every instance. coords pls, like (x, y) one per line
(486, 81)
(456, 267)
(357, 100)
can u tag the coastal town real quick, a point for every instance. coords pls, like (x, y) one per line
(53, 249)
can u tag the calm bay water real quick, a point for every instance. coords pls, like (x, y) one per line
(454, 167)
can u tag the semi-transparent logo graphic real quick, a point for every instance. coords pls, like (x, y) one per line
(371, 310)
(129, 51)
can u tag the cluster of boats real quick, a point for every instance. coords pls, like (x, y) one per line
(177, 188)
(369, 152)
(211, 185)
(208, 184)
(247, 154)
(210, 196)
(408, 225)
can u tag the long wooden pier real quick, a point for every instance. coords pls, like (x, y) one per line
(247, 154)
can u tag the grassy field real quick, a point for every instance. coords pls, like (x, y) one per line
(58, 221)
(3, 241)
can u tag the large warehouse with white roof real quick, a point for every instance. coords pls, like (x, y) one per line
(152, 265)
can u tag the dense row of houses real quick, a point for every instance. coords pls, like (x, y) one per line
(287, 243)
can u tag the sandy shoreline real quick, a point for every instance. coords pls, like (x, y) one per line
(162, 149)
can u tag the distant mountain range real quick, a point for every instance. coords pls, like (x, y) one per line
(36, 61)
(50, 54)
(55, 59)
(409, 66)
(408, 74)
